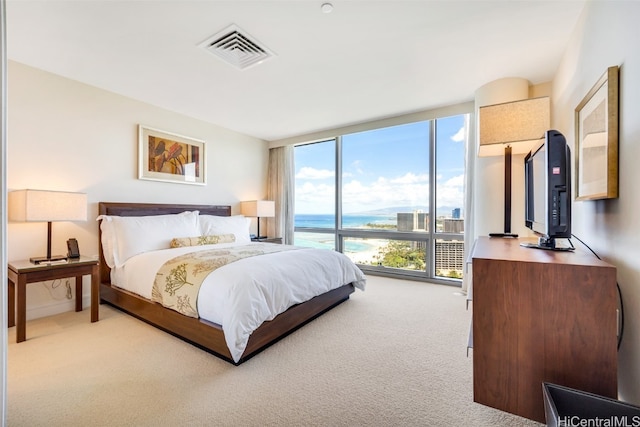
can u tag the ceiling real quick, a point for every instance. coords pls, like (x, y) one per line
(365, 60)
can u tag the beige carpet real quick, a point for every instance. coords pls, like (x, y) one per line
(394, 355)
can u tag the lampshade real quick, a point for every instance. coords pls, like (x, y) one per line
(258, 208)
(47, 206)
(519, 124)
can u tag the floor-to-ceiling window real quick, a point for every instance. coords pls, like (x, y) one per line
(391, 198)
(315, 195)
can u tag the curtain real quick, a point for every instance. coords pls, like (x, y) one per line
(280, 189)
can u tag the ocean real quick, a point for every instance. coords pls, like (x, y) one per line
(327, 241)
(348, 221)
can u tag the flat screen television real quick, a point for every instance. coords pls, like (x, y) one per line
(547, 171)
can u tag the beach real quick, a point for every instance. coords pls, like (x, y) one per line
(359, 250)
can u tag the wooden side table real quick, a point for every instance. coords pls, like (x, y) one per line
(22, 272)
(541, 316)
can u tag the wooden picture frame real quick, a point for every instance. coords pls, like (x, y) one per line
(168, 157)
(596, 152)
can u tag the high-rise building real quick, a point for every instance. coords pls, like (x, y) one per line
(450, 225)
(449, 255)
(413, 221)
(455, 214)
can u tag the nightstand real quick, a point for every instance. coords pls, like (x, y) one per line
(268, 240)
(22, 272)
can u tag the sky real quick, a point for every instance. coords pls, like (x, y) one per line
(383, 168)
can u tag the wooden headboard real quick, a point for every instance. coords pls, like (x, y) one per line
(145, 209)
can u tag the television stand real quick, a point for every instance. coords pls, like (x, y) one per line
(540, 316)
(548, 244)
(548, 248)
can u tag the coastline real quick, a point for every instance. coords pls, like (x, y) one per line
(367, 256)
(360, 251)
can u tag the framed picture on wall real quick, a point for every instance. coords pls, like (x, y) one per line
(164, 156)
(596, 150)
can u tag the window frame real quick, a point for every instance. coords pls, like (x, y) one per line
(430, 238)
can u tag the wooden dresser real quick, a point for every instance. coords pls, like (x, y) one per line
(540, 316)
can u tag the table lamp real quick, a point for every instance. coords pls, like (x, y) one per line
(258, 209)
(47, 206)
(512, 128)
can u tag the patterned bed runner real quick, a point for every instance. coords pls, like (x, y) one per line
(178, 281)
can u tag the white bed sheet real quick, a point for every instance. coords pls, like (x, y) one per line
(242, 295)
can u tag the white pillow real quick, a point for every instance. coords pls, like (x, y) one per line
(133, 235)
(237, 225)
(108, 239)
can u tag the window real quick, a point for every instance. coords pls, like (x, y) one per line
(391, 199)
(315, 195)
(385, 172)
(449, 190)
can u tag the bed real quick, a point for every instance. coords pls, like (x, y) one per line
(124, 283)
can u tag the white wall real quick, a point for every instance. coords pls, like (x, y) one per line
(3, 215)
(64, 135)
(608, 34)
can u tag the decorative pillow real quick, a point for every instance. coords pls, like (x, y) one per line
(237, 225)
(202, 240)
(133, 235)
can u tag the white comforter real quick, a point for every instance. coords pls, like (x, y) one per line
(242, 295)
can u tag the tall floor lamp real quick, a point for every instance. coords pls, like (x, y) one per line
(47, 206)
(511, 128)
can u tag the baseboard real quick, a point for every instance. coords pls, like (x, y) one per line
(56, 307)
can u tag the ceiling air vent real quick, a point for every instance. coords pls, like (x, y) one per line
(237, 48)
